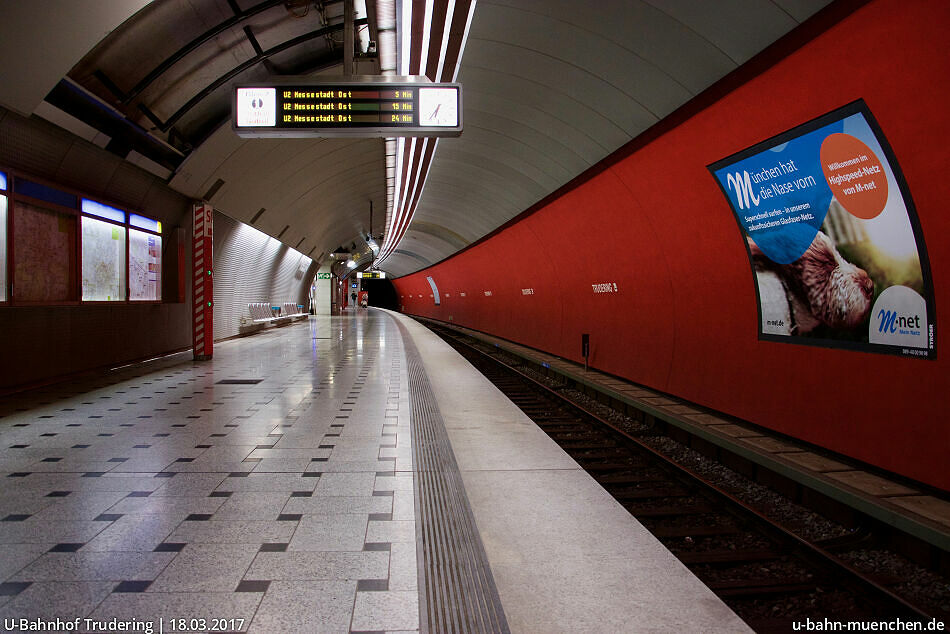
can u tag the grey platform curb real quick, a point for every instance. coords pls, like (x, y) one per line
(880, 510)
(457, 591)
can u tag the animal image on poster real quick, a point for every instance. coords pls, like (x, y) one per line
(833, 237)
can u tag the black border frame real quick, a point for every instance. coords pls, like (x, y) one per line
(858, 106)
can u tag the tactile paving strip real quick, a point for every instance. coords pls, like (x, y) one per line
(458, 593)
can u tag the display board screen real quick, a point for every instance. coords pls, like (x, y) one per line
(103, 261)
(145, 266)
(833, 237)
(365, 108)
(372, 275)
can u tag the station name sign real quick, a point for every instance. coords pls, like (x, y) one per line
(347, 109)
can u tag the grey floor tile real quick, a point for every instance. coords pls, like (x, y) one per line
(207, 568)
(81, 505)
(315, 607)
(282, 465)
(39, 532)
(254, 505)
(393, 610)
(233, 532)
(120, 482)
(346, 484)
(338, 465)
(269, 482)
(403, 567)
(345, 532)
(394, 531)
(313, 565)
(13, 557)
(285, 454)
(190, 485)
(29, 502)
(360, 452)
(149, 606)
(48, 600)
(404, 505)
(140, 533)
(95, 566)
(338, 505)
(167, 505)
(394, 483)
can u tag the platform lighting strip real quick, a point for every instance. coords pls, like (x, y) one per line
(386, 16)
(407, 209)
(406, 195)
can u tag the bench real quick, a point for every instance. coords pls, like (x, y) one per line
(262, 314)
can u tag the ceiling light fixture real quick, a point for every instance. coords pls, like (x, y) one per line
(402, 194)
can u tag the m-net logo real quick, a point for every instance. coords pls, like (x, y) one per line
(899, 317)
(890, 321)
(742, 185)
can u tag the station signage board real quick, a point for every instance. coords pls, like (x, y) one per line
(372, 275)
(356, 108)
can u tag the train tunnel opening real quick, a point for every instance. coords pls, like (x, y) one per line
(382, 293)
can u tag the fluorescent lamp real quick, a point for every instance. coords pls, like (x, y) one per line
(93, 208)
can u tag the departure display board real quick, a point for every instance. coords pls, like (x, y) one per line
(372, 275)
(358, 108)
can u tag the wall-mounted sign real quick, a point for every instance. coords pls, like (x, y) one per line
(832, 234)
(435, 291)
(372, 275)
(324, 276)
(371, 107)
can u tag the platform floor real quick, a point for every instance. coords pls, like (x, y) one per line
(275, 488)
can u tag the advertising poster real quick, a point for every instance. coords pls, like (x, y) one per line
(833, 237)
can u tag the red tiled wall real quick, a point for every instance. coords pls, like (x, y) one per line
(684, 319)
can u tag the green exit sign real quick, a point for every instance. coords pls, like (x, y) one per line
(324, 276)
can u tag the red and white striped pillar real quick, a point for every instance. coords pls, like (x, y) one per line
(203, 325)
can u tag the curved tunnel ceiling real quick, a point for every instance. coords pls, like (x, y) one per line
(551, 87)
(554, 86)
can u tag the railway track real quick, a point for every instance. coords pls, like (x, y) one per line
(769, 576)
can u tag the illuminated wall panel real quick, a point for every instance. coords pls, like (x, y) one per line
(103, 261)
(45, 255)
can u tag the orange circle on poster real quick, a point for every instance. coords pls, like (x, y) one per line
(854, 174)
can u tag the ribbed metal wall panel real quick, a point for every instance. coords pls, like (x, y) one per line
(250, 266)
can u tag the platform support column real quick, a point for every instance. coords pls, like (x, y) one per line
(203, 322)
(323, 291)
